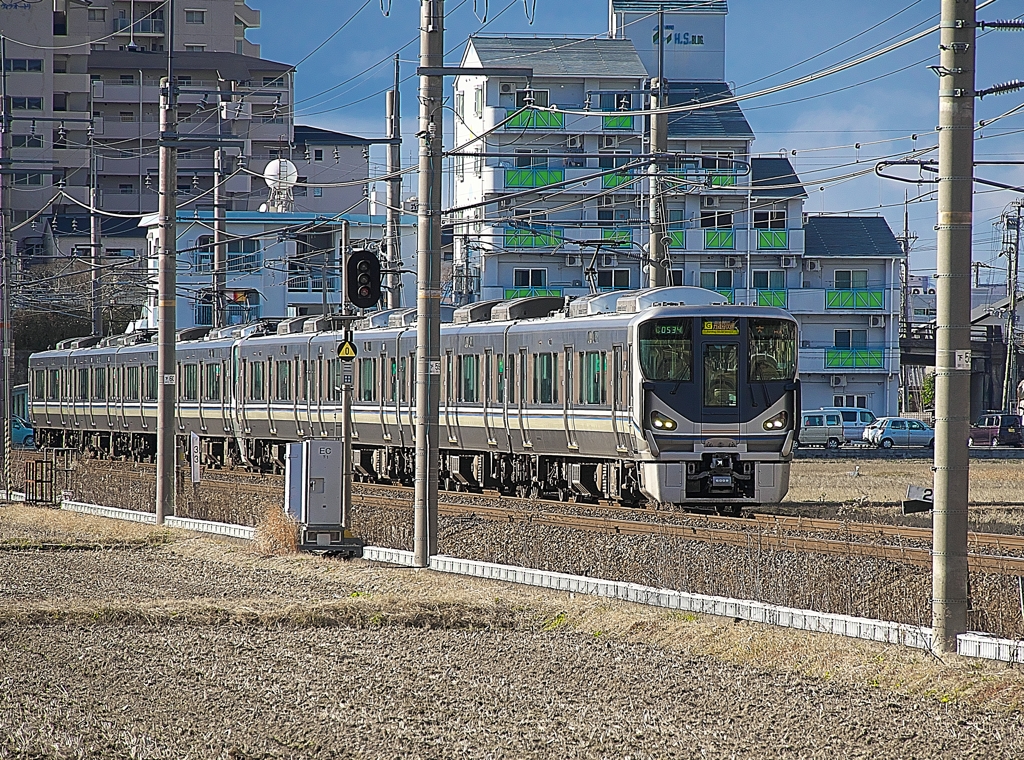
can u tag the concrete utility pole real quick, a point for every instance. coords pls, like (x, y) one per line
(393, 234)
(428, 280)
(953, 322)
(657, 251)
(904, 327)
(1011, 249)
(6, 342)
(219, 219)
(346, 386)
(167, 287)
(95, 241)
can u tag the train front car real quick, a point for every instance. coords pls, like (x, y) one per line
(720, 403)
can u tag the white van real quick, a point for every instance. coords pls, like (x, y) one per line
(822, 428)
(855, 420)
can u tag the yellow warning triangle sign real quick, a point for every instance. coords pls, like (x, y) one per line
(347, 350)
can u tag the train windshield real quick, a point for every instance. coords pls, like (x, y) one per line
(666, 350)
(772, 349)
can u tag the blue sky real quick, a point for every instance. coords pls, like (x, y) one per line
(891, 97)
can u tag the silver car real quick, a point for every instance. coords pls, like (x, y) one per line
(887, 432)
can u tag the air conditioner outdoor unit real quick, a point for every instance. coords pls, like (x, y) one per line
(609, 260)
(577, 283)
(574, 260)
(787, 262)
(507, 88)
(733, 262)
(838, 381)
(504, 203)
(605, 200)
(877, 321)
(609, 141)
(708, 201)
(574, 142)
(812, 265)
(915, 291)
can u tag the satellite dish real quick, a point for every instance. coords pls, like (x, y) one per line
(264, 208)
(280, 174)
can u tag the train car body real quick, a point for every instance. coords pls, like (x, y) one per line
(665, 396)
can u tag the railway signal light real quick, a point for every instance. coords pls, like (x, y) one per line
(363, 276)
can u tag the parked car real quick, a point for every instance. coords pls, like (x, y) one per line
(22, 433)
(996, 429)
(887, 432)
(855, 420)
(821, 428)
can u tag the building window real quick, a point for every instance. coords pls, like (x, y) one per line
(612, 101)
(716, 219)
(530, 278)
(60, 24)
(244, 255)
(851, 279)
(98, 46)
(851, 338)
(677, 219)
(127, 116)
(460, 105)
(184, 80)
(478, 101)
(27, 141)
(532, 98)
(769, 220)
(531, 159)
(195, 48)
(770, 279)
(613, 160)
(60, 101)
(858, 402)
(23, 64)
(273, 81)
(126, 189)
(60, 139)
(195, 17)
(60, 64)
(97, 14)
(608, 217)
(33, 179)
(127, 79)
(613, 279)
(717, 280)
(720, 161)
(318, 155)
(299, 191)
(27, 104)
(318, 192)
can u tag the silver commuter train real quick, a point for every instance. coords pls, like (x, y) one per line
(668, 396)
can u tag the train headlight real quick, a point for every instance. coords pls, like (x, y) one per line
(660, 422)
(778, 422)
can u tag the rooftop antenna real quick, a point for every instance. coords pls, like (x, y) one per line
(131, 29)
(280, 176)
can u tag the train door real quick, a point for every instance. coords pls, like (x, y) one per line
(113, 388)
(449, 396)
(386, 385)
(492, 412)
(621, 394)
(297, 380)
(719, 359)
(224, 385)
(569, 388)
(521, 399)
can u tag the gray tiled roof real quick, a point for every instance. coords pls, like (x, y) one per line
(670, 6)
(231, 66)
(774, 178)
(314, 135)
(849, 236)
(726, 120)
(561, 56)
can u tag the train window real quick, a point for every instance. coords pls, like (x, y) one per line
(211, 382)
(82, 388)
(469, 378)
(500, 377)
(666, 350)
(256, 385)
(721, 374)
(53, 386)
(189, 390)
(131, 390)
(39, 385)
(488, 375)
(392, 379)
(115, 383)
(367, 379)
(152, 387)
(545, 379)
(99, 383)
(593, 385)
(284, 380)
(403, 373)
(772, 349)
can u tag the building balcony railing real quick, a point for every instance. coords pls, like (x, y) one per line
(531, 292)
(234, 314)
(857, 298)
(620, 238)
(677, 239)
(515, 178)
(517, 237)
(777, 298)
(311, 284)
(527, 119)
(772, 240)
(719, 240)
(854, 358)
(619, 121)
(142, 26)
(618, 179)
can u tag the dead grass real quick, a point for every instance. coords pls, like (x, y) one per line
(277, 534)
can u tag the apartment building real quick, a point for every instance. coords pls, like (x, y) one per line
(555, 202)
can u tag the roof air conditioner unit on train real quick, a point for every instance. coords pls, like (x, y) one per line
(787, 262)
(609, 260)
(733, 262)
(708, 201)
(507, 88)
(573, 260)
(609, 141)
(838, 381)
(876, 321)
(812, 265)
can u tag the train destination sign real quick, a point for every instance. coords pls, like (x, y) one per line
(720, 327)
(347, 350)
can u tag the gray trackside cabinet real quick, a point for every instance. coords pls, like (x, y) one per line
(313, 497)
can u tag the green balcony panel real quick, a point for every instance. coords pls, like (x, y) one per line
(723, 180)
(533, 177)
(854, 299)
(610, 181)
(719, 240)
(677, 239)
(622, 238)
(730, 295)
(776, 298)
(772, 240)
(531, 292)
(854, 358)
(526, 119)
(618, 122)
(515, 238)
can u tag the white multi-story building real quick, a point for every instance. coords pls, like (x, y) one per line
(554, 202)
